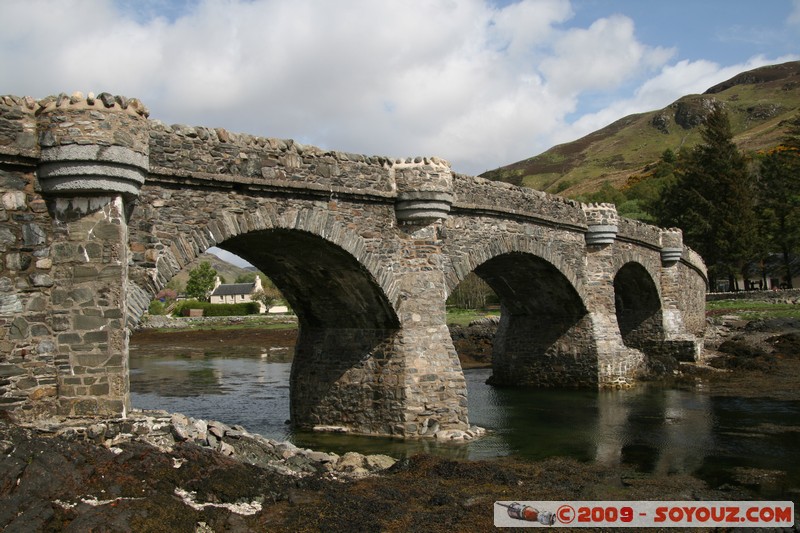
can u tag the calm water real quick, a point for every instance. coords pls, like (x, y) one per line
(654, 429)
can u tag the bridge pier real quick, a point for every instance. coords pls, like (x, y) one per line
(402, 381)
(90, 268)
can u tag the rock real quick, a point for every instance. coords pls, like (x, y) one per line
(6, 447)
(451, 434)
(349, 462)
(199, 429)
(218, 429)
(321, 457)
(235, 433)
(286, 449)
(226, 449)
(379, 462)
(96, 432)
(179, 426)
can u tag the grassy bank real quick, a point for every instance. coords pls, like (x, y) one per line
(236, 323)
(752, 310)
(462, 317)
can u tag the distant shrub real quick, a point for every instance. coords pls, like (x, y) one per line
(156, 307)
(209, 309)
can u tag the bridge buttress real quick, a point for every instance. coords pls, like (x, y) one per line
(435, 388)
(617, 364)
(679, 341)
(93, 161)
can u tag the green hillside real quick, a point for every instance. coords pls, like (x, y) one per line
(226, 271)
(758, 102)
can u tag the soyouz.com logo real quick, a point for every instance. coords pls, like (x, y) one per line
(643, 514)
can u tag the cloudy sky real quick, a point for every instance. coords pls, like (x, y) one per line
(481, 83)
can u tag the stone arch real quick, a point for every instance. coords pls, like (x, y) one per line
(325, 285)
(464, 264)
(165, 258)
(639, 311)
(650, 263)
(545, 336)
(348, 323)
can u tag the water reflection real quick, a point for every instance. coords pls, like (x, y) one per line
(657, 430)
(654, 429)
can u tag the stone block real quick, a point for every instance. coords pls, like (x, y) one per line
(83, 323)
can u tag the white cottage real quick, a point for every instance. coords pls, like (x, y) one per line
(236, 293)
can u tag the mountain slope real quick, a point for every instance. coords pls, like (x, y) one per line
(758, 102)
(226, 271)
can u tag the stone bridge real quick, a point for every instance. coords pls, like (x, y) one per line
(101, 206)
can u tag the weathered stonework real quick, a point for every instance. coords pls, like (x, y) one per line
(101, 207)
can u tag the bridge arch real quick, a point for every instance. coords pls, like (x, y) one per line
(169, 250)
(463, 264)
(545, 336)
(640, 314)
(347, 323)
(638, 306)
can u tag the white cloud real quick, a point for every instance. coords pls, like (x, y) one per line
(599, 57)
(475, 82)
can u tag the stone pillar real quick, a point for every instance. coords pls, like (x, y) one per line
(434, 386)
(671, 246)
(678, 343)
(617, 364)
(27, 344)
(435, 391)
(94, 158)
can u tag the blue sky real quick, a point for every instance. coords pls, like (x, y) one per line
(481, 83)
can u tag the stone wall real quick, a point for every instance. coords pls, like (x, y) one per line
(791, 296)
(29, 320)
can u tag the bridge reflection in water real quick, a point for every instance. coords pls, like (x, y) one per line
(650, 429)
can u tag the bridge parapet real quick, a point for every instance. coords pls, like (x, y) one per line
(217, 155)
(503, 199)
(18, 127)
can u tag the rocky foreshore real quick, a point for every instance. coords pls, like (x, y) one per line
(156, 471)
(164, 431)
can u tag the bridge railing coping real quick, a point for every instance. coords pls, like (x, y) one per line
(77, 100)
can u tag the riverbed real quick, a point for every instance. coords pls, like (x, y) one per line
(691, 428)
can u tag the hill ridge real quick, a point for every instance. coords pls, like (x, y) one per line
(759, 102)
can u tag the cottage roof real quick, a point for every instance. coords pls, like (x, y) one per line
(233, 289)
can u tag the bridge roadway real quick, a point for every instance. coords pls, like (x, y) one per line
(103, 206)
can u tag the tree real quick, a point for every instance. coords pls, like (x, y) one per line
(201, 281)
(268, 296)
(779, 198)
(472, 293)
(713, 200)
(246, 277)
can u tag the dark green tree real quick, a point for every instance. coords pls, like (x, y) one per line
(246, 277)
(472, 293)
(779, 198)
(712, 199)
(201, 281)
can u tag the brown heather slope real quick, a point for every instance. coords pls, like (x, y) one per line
(759, 103)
